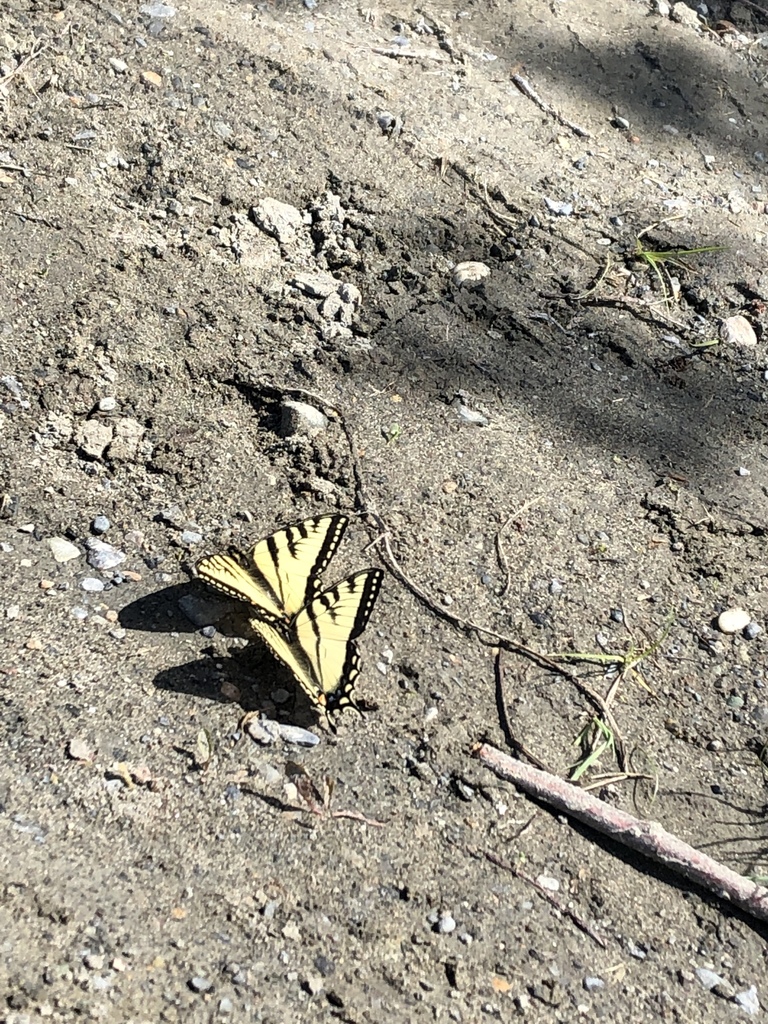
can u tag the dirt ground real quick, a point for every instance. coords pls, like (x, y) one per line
(569, 450)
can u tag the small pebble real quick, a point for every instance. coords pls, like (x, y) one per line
(430, 715)
(548, 883)
(94, 961)
(743, 471)
(751, 630)
(63, 550)
(593, 984)
(737, 330)
(314, 985)
(100, 524)
(191, 537)
(555, 587)
(225, 1006)
(748, 1000)
(301, 418)
(636, 951)
(708, 978)
(107, 404)
(92, 585)
(270, 774)
(200, 984)
(469, 274)
(117, 65)
(301, 737)
(151, 78)
(446, 924)
(468, 415)
(558, 208)
(617, 615)
(280, 220)
(733, 620)
(102, 555)
(263, 730)
(80, 613)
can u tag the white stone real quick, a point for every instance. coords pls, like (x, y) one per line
(733, 620)
(737, 330)
(63, 550)
(280, 220)
(470, 274)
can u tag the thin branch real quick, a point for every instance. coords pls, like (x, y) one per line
(646, 837)
(38, 47)
(565, 910)
(527, 89)
(392, 563)
(500, 553)
(509, 737)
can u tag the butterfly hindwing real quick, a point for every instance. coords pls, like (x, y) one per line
(279, 575)
(319, 648)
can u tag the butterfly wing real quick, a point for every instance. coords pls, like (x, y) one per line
(278, 576)
(320, 648)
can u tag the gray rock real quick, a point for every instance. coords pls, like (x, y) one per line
(685, 15)
(63, 550)
(748, 1000)
(280, 220)
(91, 585)
(100, 524)
(318, 285)
(199, 984)
(102, 555)
(301, 418)
(708, 978)
(128, 435)
(158, 10)
(93, 438)
(301, 737)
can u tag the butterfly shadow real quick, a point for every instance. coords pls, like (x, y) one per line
(246, 676)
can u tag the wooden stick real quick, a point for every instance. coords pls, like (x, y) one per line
(647, 837)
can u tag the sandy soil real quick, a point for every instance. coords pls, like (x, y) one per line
(582, 403)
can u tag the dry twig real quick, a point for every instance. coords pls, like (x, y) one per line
(527, 89)
(646, 837)
(392, 563)
(37, 48)
(567, 911)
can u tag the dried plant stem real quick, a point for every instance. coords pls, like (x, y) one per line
(646, 837)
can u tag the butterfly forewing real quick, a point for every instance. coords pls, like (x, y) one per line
(279, 574)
